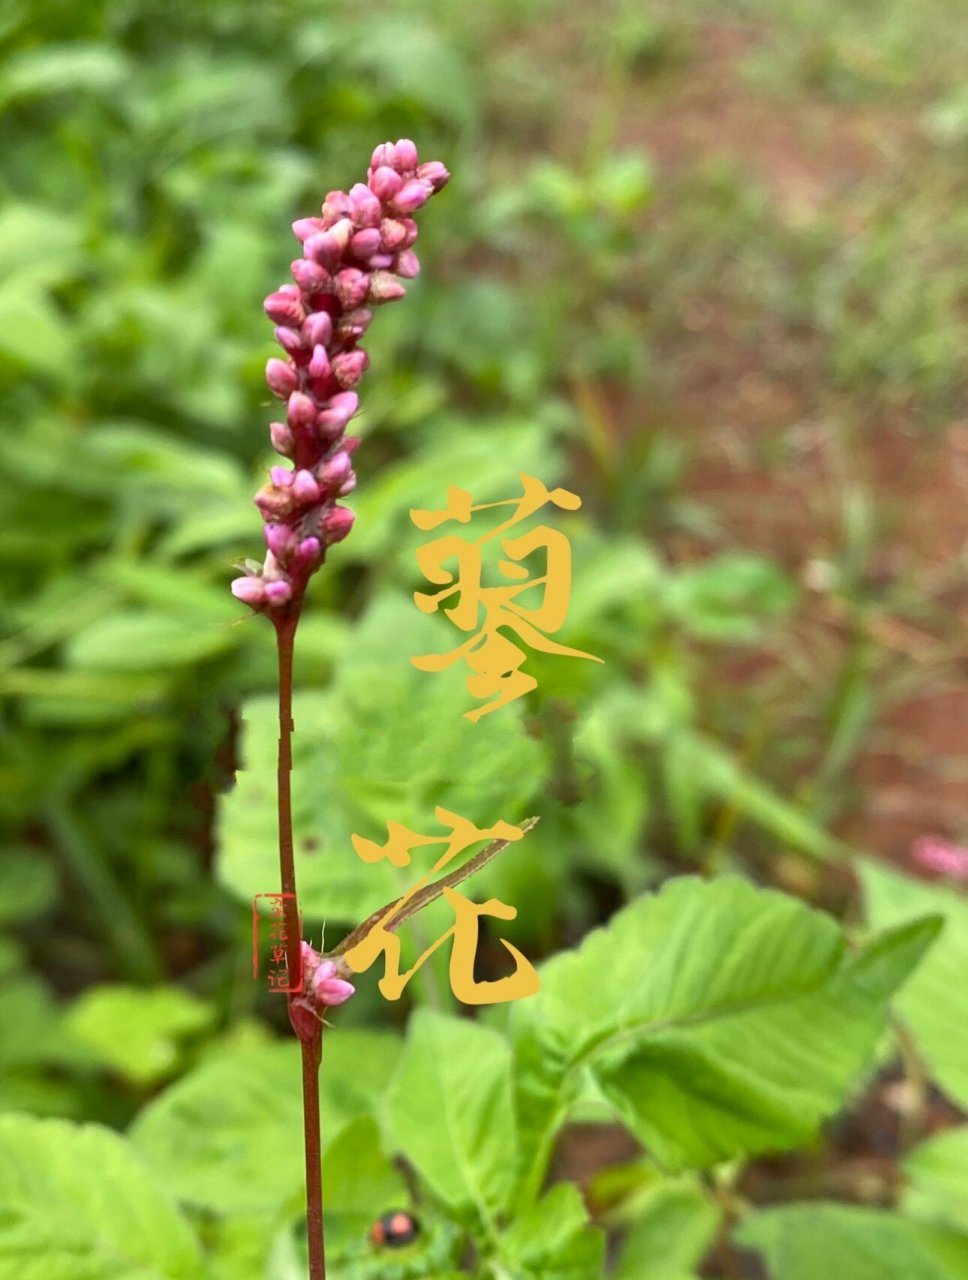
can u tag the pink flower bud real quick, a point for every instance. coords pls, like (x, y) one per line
(282, 438)
(335, 525)
(410, 228)
(309, 551)
(385, 288)
(406, 155)
(306, 227)
(381, 262)
(393, 233)
(319, 364)
(300, 411)
(304, 487)
(349, 367)
(348, 485)
(280, 540)
(250, 590)
(318, 329)
(336, 205)
(365, 208)
(412, 195)
(351, 287)
(354, 324)
(408, 264)
(342, 232)
(309, 275)
(274, 504)
(329, 989)
(351, 444)
(281, 477)
(434, 173)
(332, 473)
(289, 339)
(331, 421)
(282, 378)
(323, 247)
(284, 308)
(384, 154)
(278, 592)
(385, 182)
(365, 243)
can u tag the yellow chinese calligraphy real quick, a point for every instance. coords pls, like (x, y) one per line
(494, 659)
(524, 981)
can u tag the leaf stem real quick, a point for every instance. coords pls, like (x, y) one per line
(311, 1048)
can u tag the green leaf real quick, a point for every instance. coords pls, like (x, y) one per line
(554, 1240)
(223, 1136)
(934, 1003)
(673, 1231)
(937, 1175)
(79, 1204)
(147, 640)
(725, 598)
(449, 1110)
(356, 767)
(718, 1019)
(32, 1028)
(136, 1031)
(63, 69)
(816, 1241)
(28, 885)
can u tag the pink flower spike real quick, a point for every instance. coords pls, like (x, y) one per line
(249, 590)
(304, 487)
(282, 378)
(329, 989)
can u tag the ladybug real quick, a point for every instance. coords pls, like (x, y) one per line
(394, 1230)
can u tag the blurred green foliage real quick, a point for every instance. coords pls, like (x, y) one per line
(154, 155)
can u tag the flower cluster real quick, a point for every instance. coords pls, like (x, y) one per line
(351, 258)
(323, 988)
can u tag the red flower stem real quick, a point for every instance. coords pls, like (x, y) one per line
(311, 1049)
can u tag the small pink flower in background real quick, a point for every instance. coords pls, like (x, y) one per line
(323, 988)
(931, 853)
(351, 255)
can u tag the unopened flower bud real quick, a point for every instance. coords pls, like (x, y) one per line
(323, 247)
(278, 592)
(328, 988)
(381, 262)
(303, 228)
(332, 473)
(365, 243)
(281, 477)
(309, 551)
(335, 525)
(282, 438)
(282, 378)
(406, 155)
(354, 324)
(300, 411)
(309, 275)
(319, 364)
(283, 307)
(408, 264)
(280, 540)
(250, 590)
(304, 487)
(412, 196)
(393, 233)
(384, 287)
(365, 208)
(384, 154)
(336, 205)
(385, 182)
(351, 444)
(434, 173)
(318, 328)
(351, 287)
(289, 339)
(349, 367)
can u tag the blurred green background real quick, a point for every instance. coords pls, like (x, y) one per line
(702, 262)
